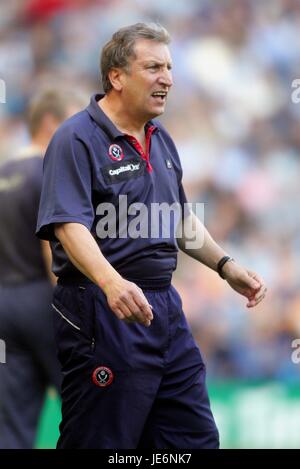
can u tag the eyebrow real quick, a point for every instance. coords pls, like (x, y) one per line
(156, 62)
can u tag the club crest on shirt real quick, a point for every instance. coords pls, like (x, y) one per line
(115, 152)
(102, 376)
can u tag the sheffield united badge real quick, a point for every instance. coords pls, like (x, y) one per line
(115, 152)
(102, 376)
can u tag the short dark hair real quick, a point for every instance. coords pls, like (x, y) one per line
(121, 47)
(54, 101)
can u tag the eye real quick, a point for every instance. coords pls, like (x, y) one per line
(153, 67)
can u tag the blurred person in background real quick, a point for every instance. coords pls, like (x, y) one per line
(26, 281)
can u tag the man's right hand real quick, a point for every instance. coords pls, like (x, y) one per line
(127, 301)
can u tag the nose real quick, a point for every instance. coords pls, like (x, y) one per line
(165, 78)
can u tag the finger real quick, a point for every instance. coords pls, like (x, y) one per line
(143, 304)
(121, 310)
(255, 301)
(260, 297)
(118, 313)
(135, 309)
(128, 319)
(261, 293)
(143, 296)
(257, 296)
(142, 293)
(258, 278)
(136, 306)
(254, 284)
(145, 308)
(257, 282)
(254, 296)
(145, 322)
(125, 310)
(139, 318)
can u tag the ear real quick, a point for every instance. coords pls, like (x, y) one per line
(116, 77)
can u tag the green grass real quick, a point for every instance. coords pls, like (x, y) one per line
(48, 432)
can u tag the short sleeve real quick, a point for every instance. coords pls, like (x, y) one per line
(66, 190)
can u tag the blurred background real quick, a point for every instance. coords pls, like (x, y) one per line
(237, 130)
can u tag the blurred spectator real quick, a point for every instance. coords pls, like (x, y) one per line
(25, 274)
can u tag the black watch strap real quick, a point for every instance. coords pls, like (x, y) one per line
(221, 264)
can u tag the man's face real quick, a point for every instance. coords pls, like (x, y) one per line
(149, 79)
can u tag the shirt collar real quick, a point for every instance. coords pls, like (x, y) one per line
(104, 122)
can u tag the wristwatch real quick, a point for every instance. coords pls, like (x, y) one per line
(221, 264)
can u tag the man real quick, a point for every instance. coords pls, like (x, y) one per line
(25, 280)
(126, 385)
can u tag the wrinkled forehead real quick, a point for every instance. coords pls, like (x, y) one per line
(147, 50)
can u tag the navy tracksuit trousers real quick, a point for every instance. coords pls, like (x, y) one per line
(124, 385)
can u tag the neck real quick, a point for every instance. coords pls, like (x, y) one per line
(123, 119)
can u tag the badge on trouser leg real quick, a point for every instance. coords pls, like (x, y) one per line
(102, 376)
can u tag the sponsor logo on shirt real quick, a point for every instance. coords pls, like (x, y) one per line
(123, 170)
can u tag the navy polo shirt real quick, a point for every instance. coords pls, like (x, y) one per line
(90, 165)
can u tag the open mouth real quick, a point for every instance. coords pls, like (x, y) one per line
(159, 95)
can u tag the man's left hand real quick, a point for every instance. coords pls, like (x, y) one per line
(245, 282)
